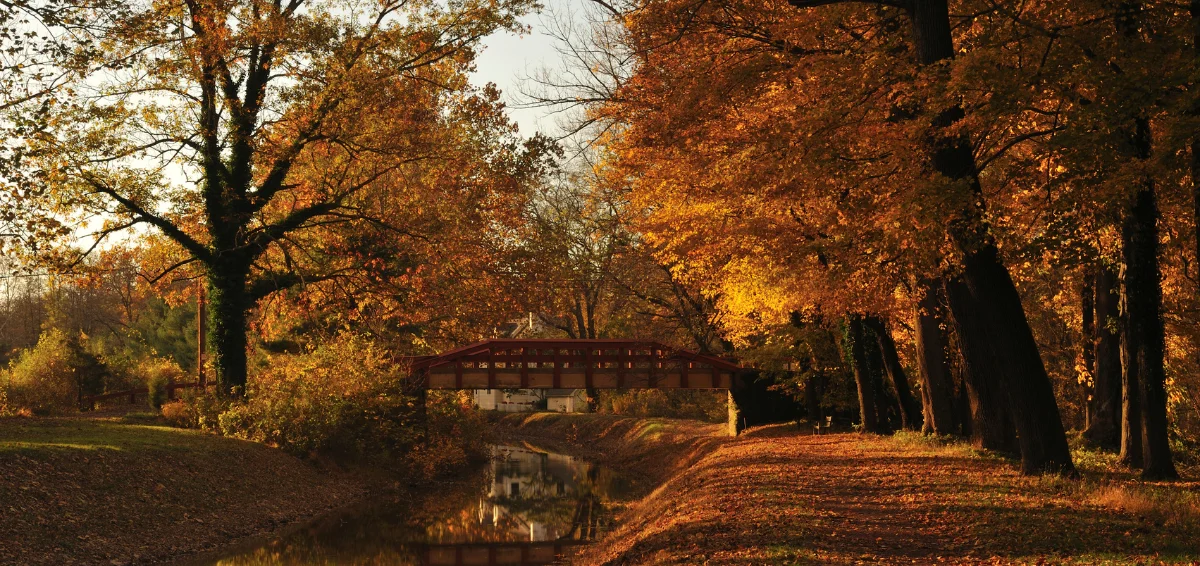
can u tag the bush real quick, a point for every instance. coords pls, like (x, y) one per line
(346, 396)
(682, 404)
(180, 413)
(5, 409)
(44, 379)
(157, 374)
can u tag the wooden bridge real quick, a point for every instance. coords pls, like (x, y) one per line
(572, 364)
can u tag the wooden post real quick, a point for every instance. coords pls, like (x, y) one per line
(201, 315)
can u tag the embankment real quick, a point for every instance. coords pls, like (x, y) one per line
(778, 495)
(649, 451)
(92, 491)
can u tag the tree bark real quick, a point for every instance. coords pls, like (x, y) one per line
(814, 390)
(886, 408)
(1104, 423)
(991, 426)
(909, 408)
(1143, 301)
(937, 391)
(1194, 9)
(1087, 344)
(1131, 407)
(227, 307)
(863, 377)
(1002, 336)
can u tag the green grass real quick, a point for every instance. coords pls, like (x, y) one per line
(32, 436)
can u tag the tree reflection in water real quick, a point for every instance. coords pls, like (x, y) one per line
(526, 508)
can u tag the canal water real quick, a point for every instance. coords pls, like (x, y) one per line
(527, 507)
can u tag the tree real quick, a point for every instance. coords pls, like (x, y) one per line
(1104, 423)
(241, 131)
(755, 50)
(565, 264)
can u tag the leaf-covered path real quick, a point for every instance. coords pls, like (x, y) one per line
(778, 496)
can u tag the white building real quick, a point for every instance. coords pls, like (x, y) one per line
(530, 400)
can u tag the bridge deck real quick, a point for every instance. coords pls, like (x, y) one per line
(573, 364)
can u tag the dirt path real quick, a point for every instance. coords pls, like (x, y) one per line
(779, 496)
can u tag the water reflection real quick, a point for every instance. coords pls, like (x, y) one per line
(528, 507)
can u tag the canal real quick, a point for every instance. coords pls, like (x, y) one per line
(527, 506)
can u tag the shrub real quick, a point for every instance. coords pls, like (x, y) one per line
(346, 396)
(157, 374)
(683, 404)
(180, 413)
(5, 409)
(43, 379)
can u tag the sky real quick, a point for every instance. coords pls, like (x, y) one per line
(507, 59)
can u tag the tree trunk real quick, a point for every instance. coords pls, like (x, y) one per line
(963, 411)
(1104, 423)
(1087, 344)
(991, 427)
(1143, 302)
(814, 390)
(910, 409)
(1196, 192)
(227, 307)
(887, 415)
(1194, 9)
(1131, 407)
(863, 376)
(1001, 336)
(937, 389)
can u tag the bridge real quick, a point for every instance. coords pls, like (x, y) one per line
(572, 364)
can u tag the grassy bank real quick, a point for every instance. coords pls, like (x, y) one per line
(778, 495)
(119, 491)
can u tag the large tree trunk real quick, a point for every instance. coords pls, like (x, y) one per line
(1143, 301)
(909, 408)
(227, 307)
(1144, 343)
(864, 378)
(1104, 423)
(991, 427)
(1001, 335)
(937, 391)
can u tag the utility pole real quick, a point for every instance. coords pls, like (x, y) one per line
(200, 327)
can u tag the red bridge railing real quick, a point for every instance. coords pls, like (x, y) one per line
(556, 363)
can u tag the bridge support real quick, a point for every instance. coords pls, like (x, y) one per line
(753, 401)
(735, 415)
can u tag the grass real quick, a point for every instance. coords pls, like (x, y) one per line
(34, 437)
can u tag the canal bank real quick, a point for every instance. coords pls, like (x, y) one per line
(541, 499)
(118, 491)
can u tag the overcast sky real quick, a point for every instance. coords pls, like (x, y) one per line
(507, 59)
